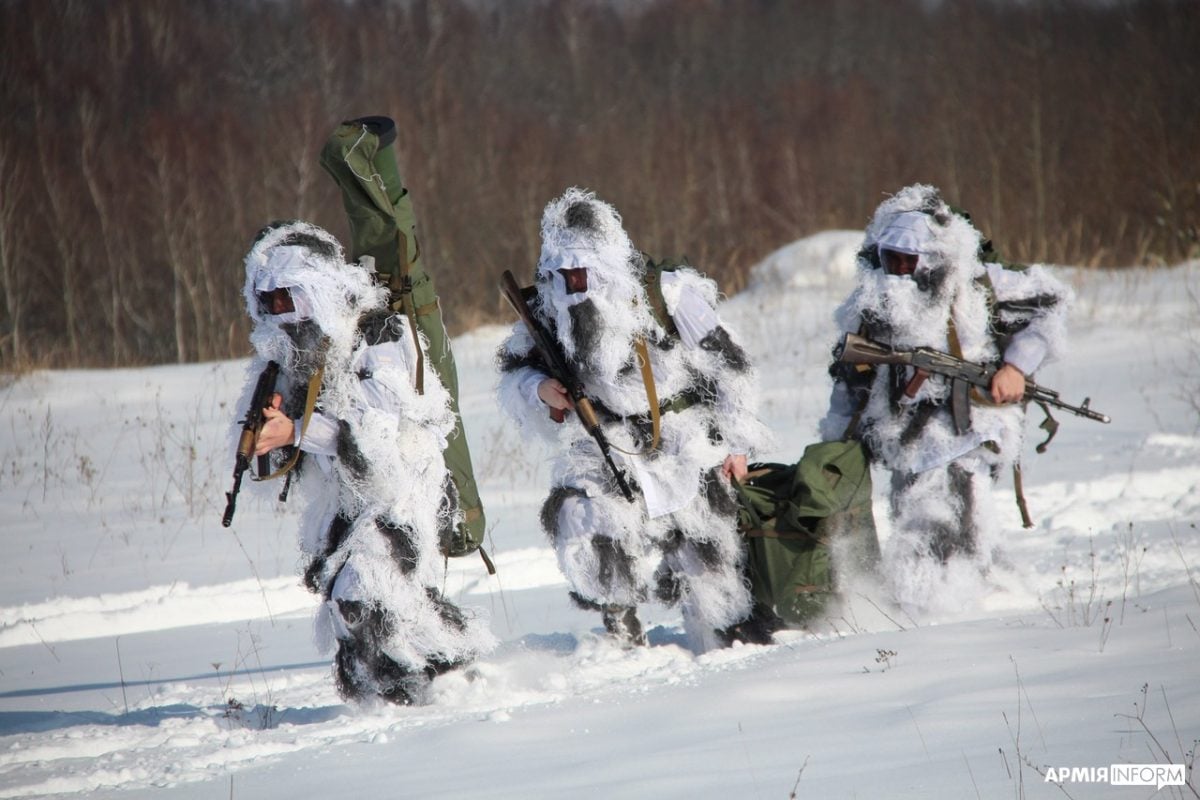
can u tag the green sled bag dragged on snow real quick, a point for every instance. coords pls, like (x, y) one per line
(799, 520)
(362, 160)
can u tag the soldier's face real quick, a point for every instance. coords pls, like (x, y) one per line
(897, 263)
(277, 301)
(575, 280)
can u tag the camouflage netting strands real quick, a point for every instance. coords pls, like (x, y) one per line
(803, 523)
(360, 157)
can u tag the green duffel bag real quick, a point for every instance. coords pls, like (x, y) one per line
(795, 517)
(362, 160)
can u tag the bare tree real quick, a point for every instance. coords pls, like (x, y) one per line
(155, 137)
(11, 277)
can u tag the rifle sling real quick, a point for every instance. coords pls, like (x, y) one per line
(643, 357)
(658, 303)
(643, 360)
(1019, 489)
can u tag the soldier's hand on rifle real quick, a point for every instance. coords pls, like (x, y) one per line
(555, 395)
(277, 431)
(735, 467)
(1008, 385)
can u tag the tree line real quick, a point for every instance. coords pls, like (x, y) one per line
(146, 141)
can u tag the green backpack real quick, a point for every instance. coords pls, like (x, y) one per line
(360, 157)
(791, 514)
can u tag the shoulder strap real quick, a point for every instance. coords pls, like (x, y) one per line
(643, 357)
(401, 286)
(989, 290)
(654, 294)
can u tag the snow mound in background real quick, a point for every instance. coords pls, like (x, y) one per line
(824, 260)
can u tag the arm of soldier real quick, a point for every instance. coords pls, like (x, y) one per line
(700, 327)
(735, 467)
(734, 380)
(1032, 305)
(1008, 384)
(551, 392)
(842, 407)
(280, 430)
(522, 373)
(692, 313)
(320, 436)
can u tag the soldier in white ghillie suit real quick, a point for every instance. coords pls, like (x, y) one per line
(922, 283)
(677, 542)
(379, 502)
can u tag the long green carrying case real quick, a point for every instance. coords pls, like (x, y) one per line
(362, 160)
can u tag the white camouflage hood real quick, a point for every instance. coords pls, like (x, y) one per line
(581, 232)
(326, 291)
(916, 307)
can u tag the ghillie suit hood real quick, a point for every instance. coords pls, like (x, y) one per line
(329, 295)
(595, 324)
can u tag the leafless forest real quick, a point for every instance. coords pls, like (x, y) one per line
(145, 141)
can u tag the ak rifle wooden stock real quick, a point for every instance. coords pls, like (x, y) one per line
(556, 362)
(251, 426)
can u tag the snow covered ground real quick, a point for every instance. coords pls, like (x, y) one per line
(146, 651)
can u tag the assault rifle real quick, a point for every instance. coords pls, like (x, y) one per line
(559, 369)
(251, 427)
(963, 375)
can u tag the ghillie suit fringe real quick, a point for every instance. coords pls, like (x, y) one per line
(941, 487)
(379, 499)
(678, 542)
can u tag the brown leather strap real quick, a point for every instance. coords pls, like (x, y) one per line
(766, 533)
(658, 303)
(488, 564)
(1019, 490)
(428, 308)
(643, 356)
(487, 561)
(643, 359)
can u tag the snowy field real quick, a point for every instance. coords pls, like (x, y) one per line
(145, 651)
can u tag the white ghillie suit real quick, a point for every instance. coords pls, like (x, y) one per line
(677, 542)
(378, 496)
(941, 481)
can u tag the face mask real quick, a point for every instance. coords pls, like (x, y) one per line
(276, 301)
(895, 262)
(567, 276)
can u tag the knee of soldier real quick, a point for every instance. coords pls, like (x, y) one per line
(347, 602)
(577, 518)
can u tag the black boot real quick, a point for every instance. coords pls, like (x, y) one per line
(622, 624)
(758, 628)
(361, 666)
